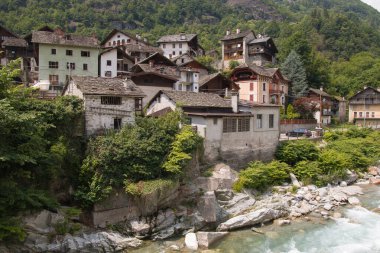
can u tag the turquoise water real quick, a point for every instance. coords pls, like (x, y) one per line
(357, 232)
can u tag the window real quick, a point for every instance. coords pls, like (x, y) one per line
(215, 120)
(263, 98)
(259, 121)
(85, 66)
(244, 124)
(53, 64)
(251, 86)
(117, 123)
(367, 114)
(109, 63)
(251, 98)
(164, 45)
(264, 86)
(85, 53)
(373, 114)
(53, 51)
(108, 74)
(106, 100)
(180, 52)
(360, 115)
(53, 79)
(123, 41)
(138, 105)
(355, 114)
(173, 52)
(69, 52)
(109, 43)
(114, 43)
(180, 45)
(70, 65)
(173, 45)
(128, 40)
(283, 100)
(271, 121)
(282, 88)
(229, 125)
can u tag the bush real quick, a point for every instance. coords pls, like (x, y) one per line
(308, 172)
(260, 176)
(292, 152)
(143, 188)
(334, 164)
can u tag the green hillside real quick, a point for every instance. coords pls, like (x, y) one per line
(321, 31)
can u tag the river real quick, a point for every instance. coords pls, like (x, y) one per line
(357, 232)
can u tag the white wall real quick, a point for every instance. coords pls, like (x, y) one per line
(108, 56)
(169, 49)
(156, 106)
(119, 37)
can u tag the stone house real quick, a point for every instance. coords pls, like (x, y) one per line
(109, 103)
(261, 85)
(5, 34)
(232, 132)
(59, 55)
(178, 44)
(364, 108)
(115, 62)
(246, 47)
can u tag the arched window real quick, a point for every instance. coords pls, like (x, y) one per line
(123, 42)
(118, 42)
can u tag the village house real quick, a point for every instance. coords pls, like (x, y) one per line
(135, 46)
(115, 62)
(324, 102)
(261, 85)
(217, 83)
(178, 44)
(246, 47)
(109, 103)
(364, 108)
(5, 34)
(235, 135)
(188, 61)
(60, 55)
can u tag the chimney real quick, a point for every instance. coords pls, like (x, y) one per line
(183, 36)
(234, 102)
(228, 32)
(237, 31)
(321, 88)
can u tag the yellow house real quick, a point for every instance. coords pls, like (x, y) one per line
(364, 108)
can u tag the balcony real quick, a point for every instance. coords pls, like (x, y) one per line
(233, 50)
(275, 91)
(259, 51)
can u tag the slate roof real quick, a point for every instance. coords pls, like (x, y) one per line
(142, 48)
(46, 37)
(114, 31)
(260, 40)
(233, 36)
(106, 86)
(205, 79)
(170, 72)
(259, 69)
(15, 42)
(176, 38)
(320, 92)
(196, 99)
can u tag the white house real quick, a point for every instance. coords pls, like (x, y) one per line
(109, 103)
(115, 62)
(178, 44)
(235, 133)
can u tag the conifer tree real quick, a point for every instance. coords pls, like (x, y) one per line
(294, 70)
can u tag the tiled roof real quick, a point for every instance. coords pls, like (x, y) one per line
(15, 42)
(45, 37)
(259, 69)
(142, 48)
(260, 40)
(160, 69)
(205, 79)
(246, 103)
(107, 86)
(177, 38)
(197, 99)
(233, 36)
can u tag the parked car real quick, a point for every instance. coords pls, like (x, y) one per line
(299, 132)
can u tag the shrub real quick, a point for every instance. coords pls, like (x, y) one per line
(292, 152)
(260, 176)
(331, 136)
(146, 187)
(333, 164)
(307, 172)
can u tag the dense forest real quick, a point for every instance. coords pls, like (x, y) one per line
(325, 33)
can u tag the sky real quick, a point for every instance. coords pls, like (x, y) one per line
(374, 3)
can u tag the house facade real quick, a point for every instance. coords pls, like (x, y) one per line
(60, 55)
(178, 44)
(364, 108)
(246, 47)
(261, 85)
(115, 62)
(5, 34)
(109, 103)
(324, 103)
(232, 132)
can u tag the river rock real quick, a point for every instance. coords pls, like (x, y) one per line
(174, 248)
(322, 192)
(337, 215)
(328, 206)
(295, 181)
(353, 201)
(351, 177)
(343, 184)
(43, 221)
(191, 241)
(283, 222)
(139, 227)
(350, 190)
(374, 181)
(206, 239)
(253, 218)
(373, 171)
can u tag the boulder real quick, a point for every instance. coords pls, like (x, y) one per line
(174, 248)
(43, 221)
(374, 181)
(343, 184)
(353, 201)
(253, 218)
(351, 177)
(191, 241)
(294, 179)
(328, 206)
(373, 171)
(206, 239)
(209, 208)
(240, 203)
(283, 222)
(337, 215)
(351, 190)
(322, 192)
(139, 227)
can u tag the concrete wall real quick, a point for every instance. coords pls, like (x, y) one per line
(45, 56)
(169, 49)
(108, 56)
(118, 38)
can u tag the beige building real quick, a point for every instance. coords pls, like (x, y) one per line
(109, 103)
(364, 108)
(233, 132)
